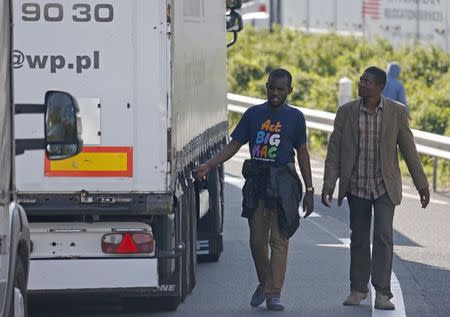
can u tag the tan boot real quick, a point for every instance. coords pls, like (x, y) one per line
(354, 298)
(382, 302)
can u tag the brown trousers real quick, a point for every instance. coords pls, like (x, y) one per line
(264, 231)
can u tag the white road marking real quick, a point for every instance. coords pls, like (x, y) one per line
(241, 160)
(244, 154)
(237, 159)
(432, 200)
(237, 181)
(397, 300)
(318, 174)
(396, 289)
(302, 213)
(345, 241)
(233, 180)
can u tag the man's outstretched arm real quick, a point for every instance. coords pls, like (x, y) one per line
(224, 155)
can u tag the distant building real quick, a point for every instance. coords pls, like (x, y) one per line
(398, 21)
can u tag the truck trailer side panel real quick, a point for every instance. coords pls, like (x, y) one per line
(199, 68)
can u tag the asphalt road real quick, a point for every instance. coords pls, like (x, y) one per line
(317, 274)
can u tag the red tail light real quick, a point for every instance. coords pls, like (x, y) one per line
(262, 8)
(128, 243)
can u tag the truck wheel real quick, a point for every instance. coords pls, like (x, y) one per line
(211, 221)
(210, 226)
(170, 303)
(222, 194)
(193, 236)
(18, 306)
(210, 257)
(185, 237)
(150, 304)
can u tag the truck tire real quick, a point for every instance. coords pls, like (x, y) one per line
(210, 226)
(215, 257)
(150, 304)
(222, 194)
(170, 302)
(193, 236)
(18, 307)
(185, 237)
(155, 304)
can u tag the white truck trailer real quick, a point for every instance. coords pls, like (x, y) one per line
(125, 216)
(59, 143)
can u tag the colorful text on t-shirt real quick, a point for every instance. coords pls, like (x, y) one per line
(267, 141)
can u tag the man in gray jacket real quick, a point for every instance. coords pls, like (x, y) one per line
(362, 154)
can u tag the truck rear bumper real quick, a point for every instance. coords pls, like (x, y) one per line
(85, 274)
(103, 204)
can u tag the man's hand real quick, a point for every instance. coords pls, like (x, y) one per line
(327, 197)
(224, 155)
(201, 170)
(424, 196)
(308, 203)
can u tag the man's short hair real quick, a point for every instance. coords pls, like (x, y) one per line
(281, 73)
(378, 73)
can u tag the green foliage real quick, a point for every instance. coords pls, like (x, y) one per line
(317, 62)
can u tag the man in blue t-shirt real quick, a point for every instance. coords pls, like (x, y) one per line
(273, 130)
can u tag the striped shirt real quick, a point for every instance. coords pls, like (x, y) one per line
(366, 181)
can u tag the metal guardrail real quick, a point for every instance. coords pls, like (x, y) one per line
(435, 145)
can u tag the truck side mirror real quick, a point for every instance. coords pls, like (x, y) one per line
(234, 4)
(62, 126)
(235, 24)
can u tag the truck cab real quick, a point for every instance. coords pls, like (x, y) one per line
(58, 144)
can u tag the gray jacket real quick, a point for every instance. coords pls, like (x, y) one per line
(343, 150)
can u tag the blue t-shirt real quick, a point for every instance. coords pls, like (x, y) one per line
(273, 134)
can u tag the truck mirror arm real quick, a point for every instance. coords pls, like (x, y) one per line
(23, 145)
(21, 108)
(235, 36)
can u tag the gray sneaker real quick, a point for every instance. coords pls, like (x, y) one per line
(382, 302)
(273, 302)
(354, 298)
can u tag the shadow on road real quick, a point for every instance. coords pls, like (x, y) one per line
(425, 288)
